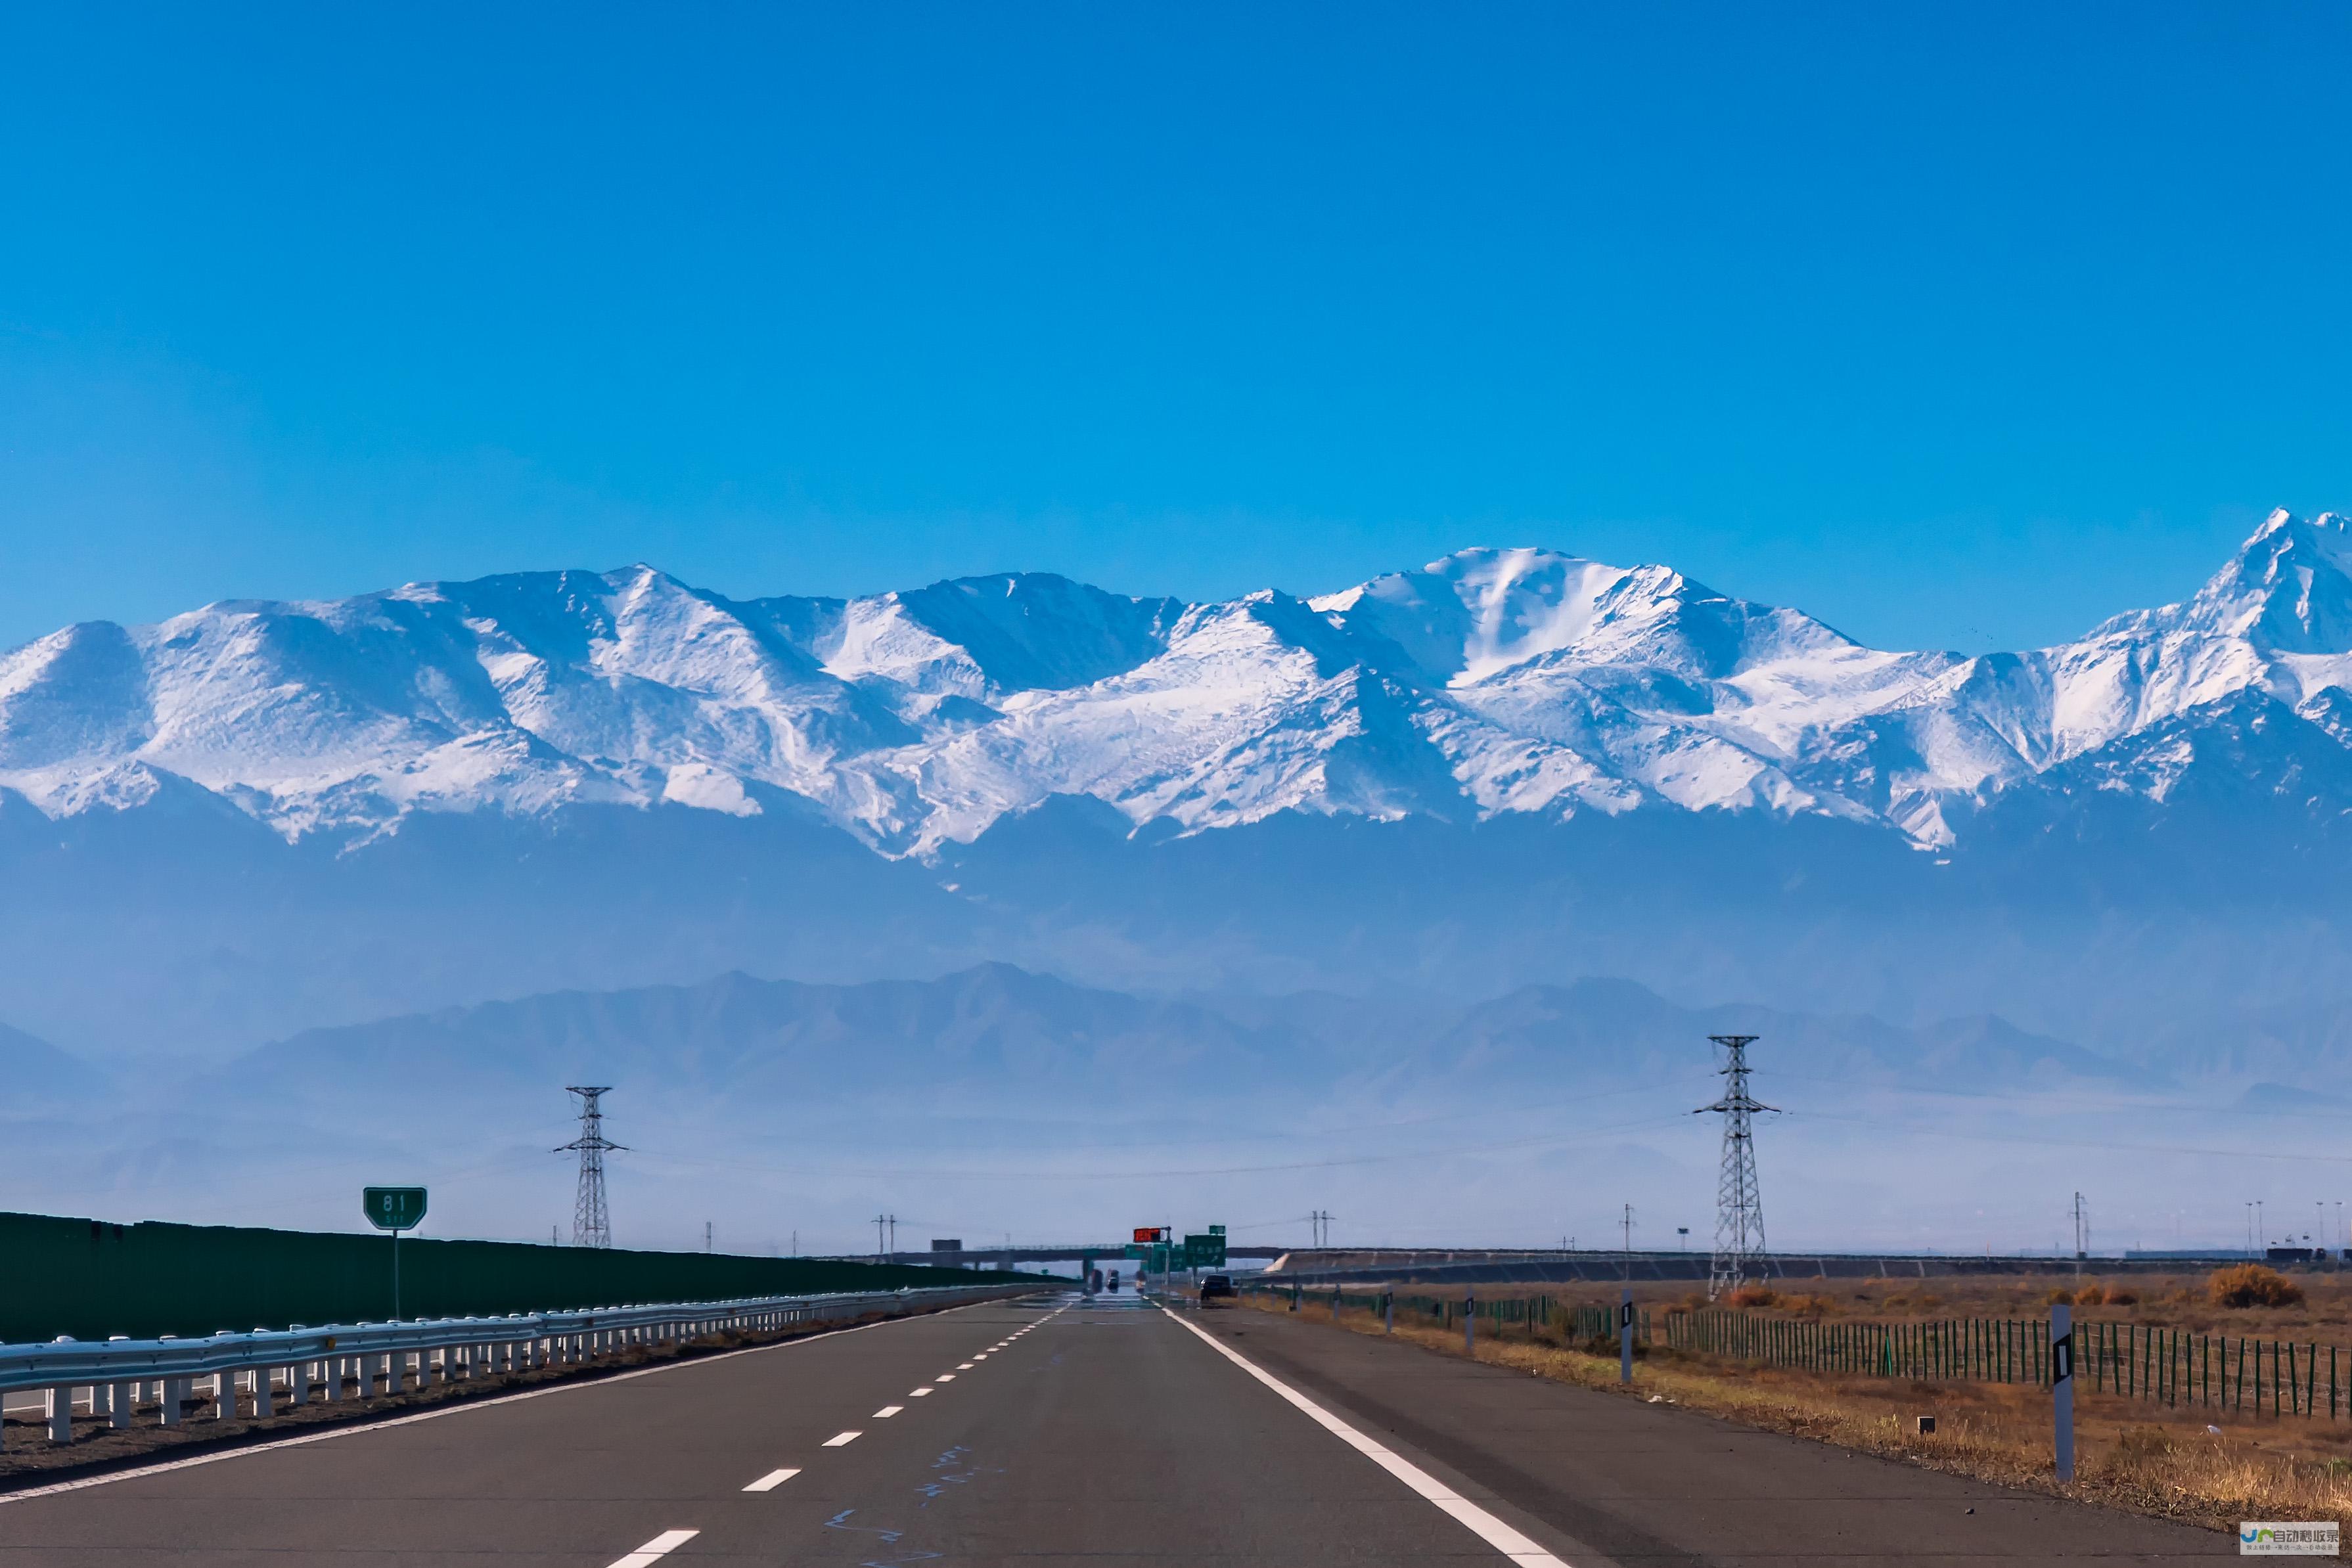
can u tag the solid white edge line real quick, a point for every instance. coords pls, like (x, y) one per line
(485, 1402)
(772, 1480)
(661, 1545)
(1510, 1542)
(840, 1440)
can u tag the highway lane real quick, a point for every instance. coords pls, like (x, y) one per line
(1084, 1432)
(1638, 1483)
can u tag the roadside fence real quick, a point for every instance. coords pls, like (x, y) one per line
(2161, 1365)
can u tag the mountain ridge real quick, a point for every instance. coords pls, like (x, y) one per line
(1484, 684)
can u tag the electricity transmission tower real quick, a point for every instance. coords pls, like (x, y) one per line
(1738, 1205)
(1322, 1224)
(591, 1226)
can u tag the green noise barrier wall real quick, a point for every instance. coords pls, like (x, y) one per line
(90, 1279)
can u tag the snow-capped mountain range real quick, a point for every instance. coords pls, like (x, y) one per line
(1490, 683)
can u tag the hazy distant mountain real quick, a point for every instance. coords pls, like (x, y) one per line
(36, 1076)
(1507, 767)
(995, 1038)
(993, 1035)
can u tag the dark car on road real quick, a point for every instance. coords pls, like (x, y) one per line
(1213, 1286)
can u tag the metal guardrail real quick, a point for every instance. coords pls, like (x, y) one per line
(294, 1366)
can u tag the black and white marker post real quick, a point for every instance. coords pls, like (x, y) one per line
(2062, 1387)
(1626, 1337)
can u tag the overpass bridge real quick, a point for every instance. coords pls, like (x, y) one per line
(1031, 1252)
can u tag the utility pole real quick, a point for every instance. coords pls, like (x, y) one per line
(894, 1233)
(1738, 1203)
(590, 1224)
(2262, 1229)
(706, 1236)
(879, 1221)
(2081, 1236)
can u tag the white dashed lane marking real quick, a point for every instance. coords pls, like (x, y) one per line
(661, 1545)
(887, 1411)
(944, 1377)
(840, 1440)
(772, 1480)
(918, 1393)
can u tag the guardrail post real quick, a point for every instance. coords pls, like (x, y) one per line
(224, 1395)
(118, 1405)
(60, 1414)
(263, 1405)
(175, 1400)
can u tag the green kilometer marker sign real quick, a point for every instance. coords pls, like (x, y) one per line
(394, 1209)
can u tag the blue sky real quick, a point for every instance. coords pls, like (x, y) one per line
(1957, 326)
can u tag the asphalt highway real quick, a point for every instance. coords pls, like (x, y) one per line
(1082, 1432)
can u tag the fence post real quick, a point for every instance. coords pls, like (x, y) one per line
(1625, 1336)
(2061, 1387)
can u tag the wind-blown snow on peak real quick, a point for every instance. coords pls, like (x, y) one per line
(1487, 681)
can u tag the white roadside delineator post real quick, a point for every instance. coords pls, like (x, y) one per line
(1625, 1336)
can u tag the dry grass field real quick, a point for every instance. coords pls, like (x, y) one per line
(2200, 1465)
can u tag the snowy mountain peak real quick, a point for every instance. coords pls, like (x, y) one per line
(2288, 590)
(1492, 681)
(1466, 615)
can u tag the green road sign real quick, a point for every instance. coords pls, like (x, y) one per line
(1205, 1252)
(394, 1209)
